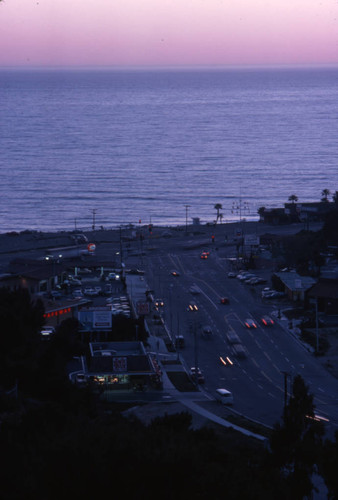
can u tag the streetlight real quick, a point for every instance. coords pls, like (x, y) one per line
(194, 308)
(186, 218)
(286, 375)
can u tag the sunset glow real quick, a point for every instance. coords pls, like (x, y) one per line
(168, 32)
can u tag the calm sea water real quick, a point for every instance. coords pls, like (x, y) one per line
(141, 145)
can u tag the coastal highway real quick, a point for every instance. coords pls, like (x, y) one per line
(272, 353)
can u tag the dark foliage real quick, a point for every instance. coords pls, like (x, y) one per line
(21, 320)
(51, 454)
(329, 466)
(296, 444)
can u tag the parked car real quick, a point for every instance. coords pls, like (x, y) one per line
(90, 292)
(77, 294)
(47, 332)
(232, 275)
(196, 373)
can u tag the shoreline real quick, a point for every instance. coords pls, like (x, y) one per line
(13, 241)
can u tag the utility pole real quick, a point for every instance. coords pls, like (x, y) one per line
(286, 374)
(317, 340)
(186, 218)
(94, 214)
(121, 257)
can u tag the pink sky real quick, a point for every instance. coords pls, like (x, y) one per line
(168, 32)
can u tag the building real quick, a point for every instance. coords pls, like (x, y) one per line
(294, 285)
(117, 366)
(325, 295)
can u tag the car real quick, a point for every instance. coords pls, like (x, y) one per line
(204, 255)
(224, 396)
(179, 341)
(136, 271)
(91, 292)
(207, 331)
(250, 323)
(74, 280)
(159, 303)
(80, 379)
(197, 374)
(175, 273)
(267, 321)
(192, 307)
(225, 360)
(47, 332)
(239, 350)
(77, 294)
(260, 280)
(244, 276)
(232, 275)
(195, 290)
(224, 300)
(251, 281)
(249, 277)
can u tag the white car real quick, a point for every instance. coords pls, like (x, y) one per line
(91, 292)
(195, 290)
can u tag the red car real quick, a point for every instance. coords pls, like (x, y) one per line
(267, 321)
(224, 300)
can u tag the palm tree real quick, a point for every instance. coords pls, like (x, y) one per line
(293, 198)
(218, 207)
(325, 195)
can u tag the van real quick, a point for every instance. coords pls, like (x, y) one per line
(224, 396)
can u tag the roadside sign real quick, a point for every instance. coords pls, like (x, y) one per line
(142, 308)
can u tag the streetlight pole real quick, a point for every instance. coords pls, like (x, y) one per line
(94, 213)
(186, 218)
(286, 375)
(193, 308)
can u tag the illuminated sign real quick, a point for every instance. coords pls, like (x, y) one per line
(57, 312)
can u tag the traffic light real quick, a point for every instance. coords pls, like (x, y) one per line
(213, 238)
(150, 228)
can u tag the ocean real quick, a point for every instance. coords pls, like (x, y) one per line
(109, 147)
